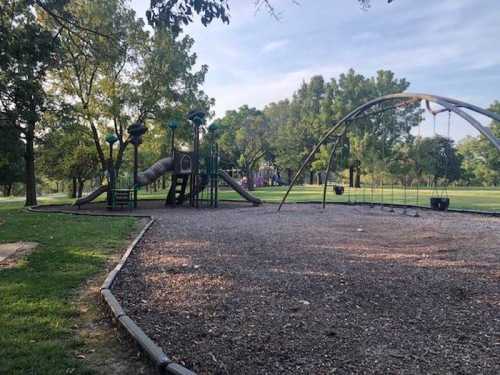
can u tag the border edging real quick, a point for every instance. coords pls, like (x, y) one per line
(400, 206)
(155, 353)
(163, 363)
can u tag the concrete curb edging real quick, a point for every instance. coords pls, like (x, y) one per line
(400, 206)
(162, 362)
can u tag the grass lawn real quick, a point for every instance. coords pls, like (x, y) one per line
(474, 198)
(471, 198)
(484, 199)
(37, 308)
(37, 296)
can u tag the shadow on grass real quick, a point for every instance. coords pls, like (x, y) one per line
(37, 316)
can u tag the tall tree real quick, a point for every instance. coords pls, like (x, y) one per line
(27, 52)
(11, 158)
(437, 158)
(175, 14)
(130, 76)
(66, 151)
(244, 139)
(481, 161)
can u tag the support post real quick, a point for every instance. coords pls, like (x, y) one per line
(216, 173)
(136, 168)
(197, 118)
(111, 139)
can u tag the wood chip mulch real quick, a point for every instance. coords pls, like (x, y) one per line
(306, 291)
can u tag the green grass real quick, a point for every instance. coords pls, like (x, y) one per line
(37, 312)
(470, 198)
(474, 198)
(36, 297)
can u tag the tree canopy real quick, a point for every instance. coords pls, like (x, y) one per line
(175, 14)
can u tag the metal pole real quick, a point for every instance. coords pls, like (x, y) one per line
(136, 167)
(216, 171)
(450, 104)
(211, 173)
(172, 143)
(111, 176)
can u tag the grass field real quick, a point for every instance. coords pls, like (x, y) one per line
(460, 198)
(37, 308)
(473, 198)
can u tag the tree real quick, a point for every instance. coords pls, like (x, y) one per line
(174, 14)
(27, 52)
(244, 139)
(67, 152)
(481, 162)
(373, 137)
(11, 158)
(286, 151)
(437, 158)
(129, 77)
(317, 105)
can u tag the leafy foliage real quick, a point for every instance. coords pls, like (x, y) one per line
(437, 158)
(481, 164)
(67, 151)
(11, 158)
(175, 14)
(27, 51)
(244, 139)
(131, 76)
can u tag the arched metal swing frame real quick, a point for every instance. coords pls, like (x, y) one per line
(447, 104)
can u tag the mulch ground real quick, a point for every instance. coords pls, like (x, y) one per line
(306, 291)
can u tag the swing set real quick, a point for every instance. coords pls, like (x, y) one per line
(439, 199)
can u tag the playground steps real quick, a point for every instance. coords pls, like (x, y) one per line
(177, 192)
(123, 198)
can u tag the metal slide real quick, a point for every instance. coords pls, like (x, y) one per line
(150, 175)
(158, 169)
(238, 188)
(90, 197)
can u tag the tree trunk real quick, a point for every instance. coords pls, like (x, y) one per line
(81, 184)
(358, 178)
(29, 158)
(320, 179)
(73, 187)
(351, 176)
(249, 175)
(7, 190)
(289, 175)
(311, 178)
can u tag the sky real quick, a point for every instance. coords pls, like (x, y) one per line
(446, 47)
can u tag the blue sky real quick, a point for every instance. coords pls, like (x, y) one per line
(445, 47)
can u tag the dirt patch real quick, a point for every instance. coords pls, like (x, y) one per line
(106, 349)
(11, 253)
(344, 290)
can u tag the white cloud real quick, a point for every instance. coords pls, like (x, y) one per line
(257, 91)
(275, 45)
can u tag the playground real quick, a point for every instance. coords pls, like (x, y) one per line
(392, 278)
(309, 290)
(272, 195)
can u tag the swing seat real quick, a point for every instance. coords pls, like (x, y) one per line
(440, 204)
(339, 190)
